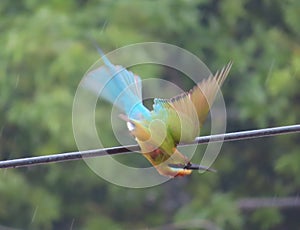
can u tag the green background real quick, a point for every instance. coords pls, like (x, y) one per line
(45, 49)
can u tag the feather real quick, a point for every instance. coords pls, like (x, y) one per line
(185, 113)
(162, 161)
(172, 120)
(203, 95)
(118, 86)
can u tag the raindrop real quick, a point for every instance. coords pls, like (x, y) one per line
(34, 214)
(72, 223)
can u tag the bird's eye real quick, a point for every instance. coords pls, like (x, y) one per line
(130, 126)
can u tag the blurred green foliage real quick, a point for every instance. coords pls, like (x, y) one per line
(46, 47)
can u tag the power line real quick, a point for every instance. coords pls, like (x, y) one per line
(243, 135)
(268, 202)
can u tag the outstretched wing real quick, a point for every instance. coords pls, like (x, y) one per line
(184, 114)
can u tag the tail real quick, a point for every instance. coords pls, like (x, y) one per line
(118, 86)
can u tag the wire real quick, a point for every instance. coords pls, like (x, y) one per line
(243, 135)
(249, 134)
(253, 203)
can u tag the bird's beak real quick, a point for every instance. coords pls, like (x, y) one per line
(191, 166)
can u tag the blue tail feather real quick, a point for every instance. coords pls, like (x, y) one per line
(118, 86)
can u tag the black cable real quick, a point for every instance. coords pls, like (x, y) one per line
(30, 161)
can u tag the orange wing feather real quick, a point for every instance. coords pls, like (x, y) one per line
(192, 107)
(203, 94)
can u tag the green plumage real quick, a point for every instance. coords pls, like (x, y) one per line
(171, 121)
(175, 120)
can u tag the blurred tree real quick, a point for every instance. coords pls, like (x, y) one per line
(46, 47)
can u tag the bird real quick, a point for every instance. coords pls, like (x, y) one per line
(171, 121)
